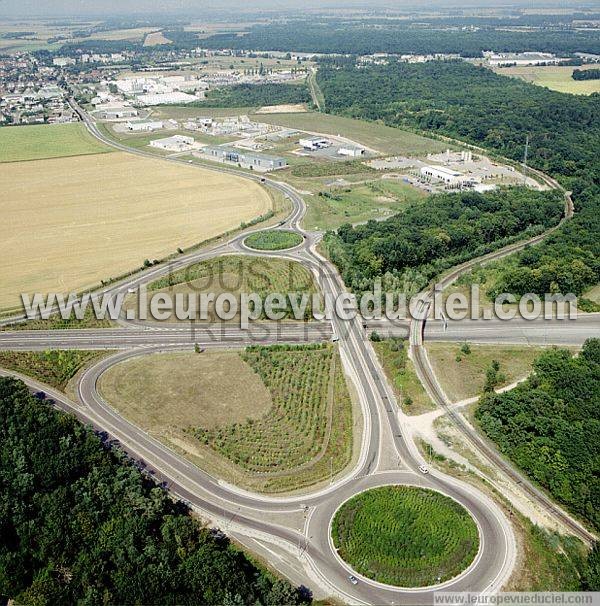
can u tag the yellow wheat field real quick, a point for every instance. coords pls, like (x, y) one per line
(69, 223)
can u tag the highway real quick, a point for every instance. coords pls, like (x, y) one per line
(388, 454)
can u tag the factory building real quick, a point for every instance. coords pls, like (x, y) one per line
(176, 143)
(441, 173)
(144, 127)
(314, 143)
(260, 162)
(351, 152)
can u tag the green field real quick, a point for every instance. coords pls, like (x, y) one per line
(334, 206)
(554, 77)
(399, 369)
(47, 141)
(306, 435)
(273, 240)
(405, 536)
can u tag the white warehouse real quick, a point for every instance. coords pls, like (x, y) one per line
(315, 143)
(441, 173)
(176, 143)
(144, 127)
(351, 152)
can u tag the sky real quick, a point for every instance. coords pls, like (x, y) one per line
(78, 8)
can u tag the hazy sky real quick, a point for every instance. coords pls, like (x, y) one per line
(42, 8)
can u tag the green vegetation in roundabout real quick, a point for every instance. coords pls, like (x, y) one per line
(274, 239)
(405, 536)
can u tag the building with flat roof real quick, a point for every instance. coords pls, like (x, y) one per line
(260, 162)
(441, 173)
(144, 127)
(314, 143)
(351, 152)
(176, 143)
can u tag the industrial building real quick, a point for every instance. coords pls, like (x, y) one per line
(314, 143)
(260, 162)
(176, 143)
(441, 173)
(351, 152)
(116, 113)
(144, 127)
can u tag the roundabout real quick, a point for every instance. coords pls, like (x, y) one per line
(273, 240)
(405, 536)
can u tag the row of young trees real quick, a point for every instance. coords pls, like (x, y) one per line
(81, 524)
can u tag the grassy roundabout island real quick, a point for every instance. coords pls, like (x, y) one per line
(275, 239)
(405, 536)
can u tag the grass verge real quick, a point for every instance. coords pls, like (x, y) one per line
(400, 371)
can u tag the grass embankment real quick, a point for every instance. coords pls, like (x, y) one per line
(269, 418)
(462, 370)
(55, 368)
(400, 371)
(236, 274)
(273, 240)
(405, 536)
(57, 323)
(38, 142)
(334, 206)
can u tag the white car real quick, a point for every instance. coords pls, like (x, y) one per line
(423, 469)
(353, 579)
(131, 290)
(335, 339)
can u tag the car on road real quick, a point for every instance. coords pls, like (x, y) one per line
(263, 180)
(353, 579)
(335, 339)
(423, 469)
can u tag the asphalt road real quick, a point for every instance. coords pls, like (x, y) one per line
(387, 453)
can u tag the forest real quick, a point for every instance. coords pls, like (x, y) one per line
(79, 523)
(412, 247)
(256, 95)
(549, 426)
(455, 99)
(363, 37)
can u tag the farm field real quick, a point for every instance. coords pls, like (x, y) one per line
(90, 228)
(271, 419)
(554, 77)
(463, 375)
(234, 274)
(335, 206)
(399, 369)
(273, 240)
(42, 141)
(405, 536)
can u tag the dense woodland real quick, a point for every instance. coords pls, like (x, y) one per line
(257, 95)
(412, 247)
(550, 427)
(476, 105)
(366, 37)
(81, 524)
